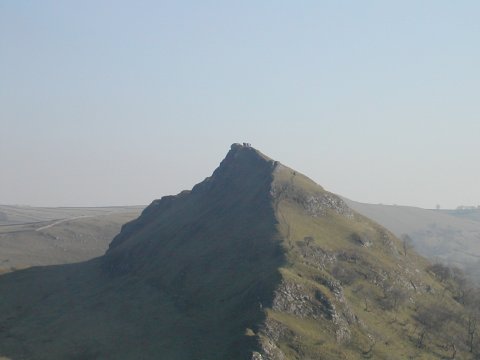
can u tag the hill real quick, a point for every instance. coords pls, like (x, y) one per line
(31, 215)
(256, 262)
(450, 236)
(32, 236)
(468, 213)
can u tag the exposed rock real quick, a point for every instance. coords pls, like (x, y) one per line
(361, 240)
(294, 298)
(320, 204)
(315, 256)
(387, 240)
(270, 351)
(342, 330)
(271, 333)
(257, 356)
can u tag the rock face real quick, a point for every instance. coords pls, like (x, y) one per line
(255, 262)
(295, 299)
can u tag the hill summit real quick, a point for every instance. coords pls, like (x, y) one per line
(255, 262)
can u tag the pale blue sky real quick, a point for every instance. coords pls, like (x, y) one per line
(116, 102)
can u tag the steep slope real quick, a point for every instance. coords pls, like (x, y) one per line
(255, 262)
(213, 252)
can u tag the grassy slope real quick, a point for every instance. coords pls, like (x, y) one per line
(378, 331)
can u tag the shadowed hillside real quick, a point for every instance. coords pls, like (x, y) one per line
(256, 262)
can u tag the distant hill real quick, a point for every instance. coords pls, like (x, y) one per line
(33, 236)
(255, 262)
(20, 215)
(472, 214)
(451, 236)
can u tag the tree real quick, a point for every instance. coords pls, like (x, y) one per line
(363, 292)
(344, 273)
(438, 319)
(393, 296)
(407, 243)
(471, 300)
(471, 330)
(441, 271)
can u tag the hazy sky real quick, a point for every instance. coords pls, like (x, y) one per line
(115, 102)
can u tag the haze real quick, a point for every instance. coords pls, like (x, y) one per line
(118, 103)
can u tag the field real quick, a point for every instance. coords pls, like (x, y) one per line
(35, 236)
